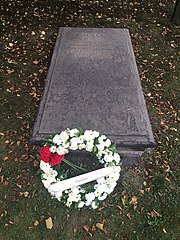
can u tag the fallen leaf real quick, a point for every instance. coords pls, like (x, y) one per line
(36, 223)
(86, 228)
(100, 226)
(123, 201)
(128, 215)
(133, 200)
(49, 223)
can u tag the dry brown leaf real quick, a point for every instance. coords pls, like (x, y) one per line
(123, 201)
(101, 227)
(49, 223)
(128, 215)
(36, 223)
(133, 200)
(86, 228)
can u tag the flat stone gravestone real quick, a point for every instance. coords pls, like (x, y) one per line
(93, 83)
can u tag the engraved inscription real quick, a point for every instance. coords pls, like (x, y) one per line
(91, 54)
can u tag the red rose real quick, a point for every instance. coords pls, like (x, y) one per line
(55, 159)
(45, 154)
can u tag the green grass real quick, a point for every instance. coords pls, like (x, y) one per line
(26, 54)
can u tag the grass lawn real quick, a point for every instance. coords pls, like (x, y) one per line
(145, 204)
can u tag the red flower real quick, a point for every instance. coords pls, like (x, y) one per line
(55, 159)
(45, 154)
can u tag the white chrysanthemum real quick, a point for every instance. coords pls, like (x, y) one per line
(73, 132)
(80, 139)
(107, 143)
(65, 144)
(95, 134)
(90, 197)
(81, 146)
(102, 197)
(102, 138)
(113, 177)
(50, 174)
(100, 147)
(62, 151)
(81, 204)
(116, 158)
(68, 204)
(94, 205)
(57, 139)
(74, 143)
(108, 157)
(88, 135)
(98, 192)
(99, 154)
(89, 145)
(104, 187)
(45, 167)
(75, 190)
(53, 149)
(64, 136)
(74, 197)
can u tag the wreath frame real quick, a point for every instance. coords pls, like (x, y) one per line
(52, 154)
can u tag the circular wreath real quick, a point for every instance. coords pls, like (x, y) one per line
(53, 153)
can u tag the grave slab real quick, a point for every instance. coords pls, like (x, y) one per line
(93, 83)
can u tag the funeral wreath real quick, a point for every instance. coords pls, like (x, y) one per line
(86, 189)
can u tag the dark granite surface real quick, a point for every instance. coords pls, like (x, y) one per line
(93, 83)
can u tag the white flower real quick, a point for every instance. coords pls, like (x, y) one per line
(116, 158)
(89, 145)
(107, 143)
(82, 146)
(73, 132)
(90, 197)
(108, 157)
(81, 204)
(102, 138)
(88, 135)
(65, 144)
(74, 143)
(53, 149)
(93, 205)
(45, 167)
(98, 192)
(95, 134)
(57, 139)
(51, 174)
(68, 204)
(99, 154)
(80, 139)
(100, 147)
(64, 136)
(75, 190)
(61, 151)
(102, 197)
(75, 197)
